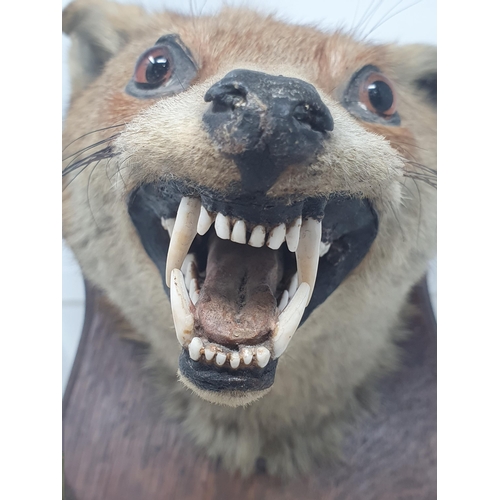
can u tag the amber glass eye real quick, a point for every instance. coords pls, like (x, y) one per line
(154, 67)
(377, 95)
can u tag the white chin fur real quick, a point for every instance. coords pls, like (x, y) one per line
(227, 398)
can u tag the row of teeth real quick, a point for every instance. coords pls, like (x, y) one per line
(303, 237)
(238, 234)
(227, 228)
(245, 356)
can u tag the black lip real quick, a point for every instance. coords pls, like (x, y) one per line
(210, 377)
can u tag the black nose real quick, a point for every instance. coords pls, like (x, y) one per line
(266, 123)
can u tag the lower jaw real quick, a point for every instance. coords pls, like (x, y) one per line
(244, 384)
(225, 398)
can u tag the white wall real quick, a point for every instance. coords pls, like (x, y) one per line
(403, 21)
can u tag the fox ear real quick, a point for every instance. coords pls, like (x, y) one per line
(98, 29)
(416, 65)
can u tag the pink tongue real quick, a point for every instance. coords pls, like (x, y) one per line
(237, 303)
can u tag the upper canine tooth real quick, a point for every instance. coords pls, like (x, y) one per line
(205, 221)
(181, 308)
(222, 227)
(239, 234)
(293, 234)
(307, 253)
(262, 354)
(183, 234)
(168, 225)
(276, 237)
(289, 320)
(258, 237)
(195, 348)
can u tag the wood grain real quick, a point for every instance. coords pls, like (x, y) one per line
(117, 446)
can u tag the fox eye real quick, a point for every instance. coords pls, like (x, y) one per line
(165, 69)
(372, 97)
(153, 68)
(377, 95)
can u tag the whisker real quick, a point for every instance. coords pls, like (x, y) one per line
(427, 180)
(83, 150)
(93, 132)
(107, 152)
(385, 19)
(422, 167)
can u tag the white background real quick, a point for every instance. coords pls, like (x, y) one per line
(403, 21)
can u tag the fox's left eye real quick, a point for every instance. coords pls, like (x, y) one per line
(154, 67)
(371, 96)
(377, 95)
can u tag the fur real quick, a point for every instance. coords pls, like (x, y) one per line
(348, 341)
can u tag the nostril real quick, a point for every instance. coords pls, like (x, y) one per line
(226, 97)
(319, 120)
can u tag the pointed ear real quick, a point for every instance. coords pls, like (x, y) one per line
(98, 29)
(416, 66)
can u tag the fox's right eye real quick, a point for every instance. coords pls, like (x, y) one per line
(153, 68)
(165, 69)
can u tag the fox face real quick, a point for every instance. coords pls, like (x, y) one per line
(257, 198)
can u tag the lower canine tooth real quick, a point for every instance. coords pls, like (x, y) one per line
(289, 320)
(181, 308)
(262, 354)
(247, 355)
(220, 359)
(195, 348)
(183, 234)
(308, 253)
(234, 360)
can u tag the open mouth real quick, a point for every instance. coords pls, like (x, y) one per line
(244, 272)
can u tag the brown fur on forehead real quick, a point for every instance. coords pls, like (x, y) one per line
(239, 36)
